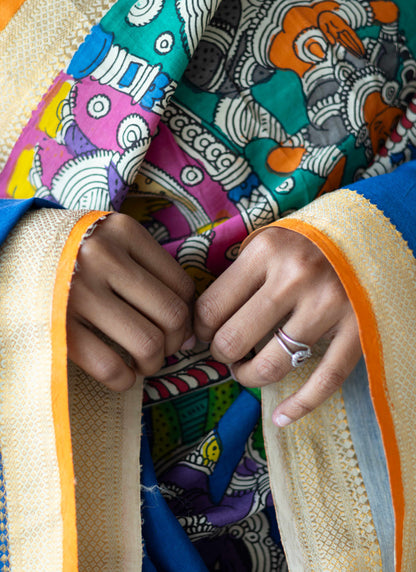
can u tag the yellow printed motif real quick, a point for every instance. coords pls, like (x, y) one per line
(211, 450)
(19, 186)
(50, 120)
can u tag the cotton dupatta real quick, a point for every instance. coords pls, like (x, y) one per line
(376, 265)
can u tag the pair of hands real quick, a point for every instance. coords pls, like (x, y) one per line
(130, 289)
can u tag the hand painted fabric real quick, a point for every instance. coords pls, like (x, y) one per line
(207, 121)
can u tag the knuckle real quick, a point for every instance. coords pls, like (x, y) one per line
(150, 346)
(329, 381)
(124, 381)
(306, 264)
(150, 354)
(176, 314)
(121, 221)
(226, 346)
(95, 251)
(269, 370)
(107, 370)
(334, 291)
(90, 248)
(125, 227)
(300, 405)
(114, 373)
(263, 245)
(299, 271)
(206, 311)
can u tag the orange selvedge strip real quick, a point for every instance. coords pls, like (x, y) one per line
(8, 10)
(59, 388)
(373, 352)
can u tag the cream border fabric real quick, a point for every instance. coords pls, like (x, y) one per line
(28, 263)
(105, 426)
(106, 431)
(322, 508)
(36, 45)
(386, 268)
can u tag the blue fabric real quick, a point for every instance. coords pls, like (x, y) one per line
(228, 427)
(12, 210)
(177, 554)
(395, 195)
(368, 446)
(4, 532)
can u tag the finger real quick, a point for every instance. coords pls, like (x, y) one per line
(227, 294)
(104, 265)
(121, 323)
(143, 248)
(272, 363)
(338, 362)
(97, 358)
(251, 323)
(154, 300)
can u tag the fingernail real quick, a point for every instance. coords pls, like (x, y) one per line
(281, 420)
(230, 367)
(189, 343)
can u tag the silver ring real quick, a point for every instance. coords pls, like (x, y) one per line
(299, 356)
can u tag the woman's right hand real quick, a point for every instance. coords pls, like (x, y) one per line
(130, 289)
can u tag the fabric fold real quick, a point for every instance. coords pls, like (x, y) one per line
(377, 269)
(205, 120)
(46, 470)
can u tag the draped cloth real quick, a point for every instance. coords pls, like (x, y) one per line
(376, 264)
(39, 452)
(206, 121)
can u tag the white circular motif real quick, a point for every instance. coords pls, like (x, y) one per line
(343, 71)
(164, 43)
(131, 130)
(233, 251)
(354, 95)
(214, 151)
(191, 175)
(144, 11)
(286, 186)
(129, 163)
(225, 161)
(83, 182)
(389, 92)
(98, 106)
(311, 46)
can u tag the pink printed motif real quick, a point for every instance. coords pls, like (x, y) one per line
(227, 154)
(92, 153)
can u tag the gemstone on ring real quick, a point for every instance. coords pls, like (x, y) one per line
(297, 357)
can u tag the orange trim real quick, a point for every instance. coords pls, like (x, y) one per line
(8, 10)
(373, 352)
(59, 384)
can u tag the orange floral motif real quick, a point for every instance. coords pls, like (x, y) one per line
(303, 45)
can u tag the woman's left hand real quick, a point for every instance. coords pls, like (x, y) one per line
(280, 275)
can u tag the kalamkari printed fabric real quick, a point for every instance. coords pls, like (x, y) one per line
(206, 121)
(210, 120)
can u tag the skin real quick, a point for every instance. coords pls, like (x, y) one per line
(130, 289)
(280, 275)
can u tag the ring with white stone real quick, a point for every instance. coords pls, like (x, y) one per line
(298, 356)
